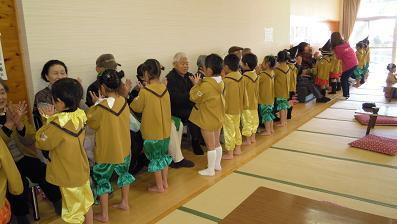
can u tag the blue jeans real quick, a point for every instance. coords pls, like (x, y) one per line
(345, 81)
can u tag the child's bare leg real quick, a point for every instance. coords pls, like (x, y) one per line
(104, 215)
(124, 199)
(268, 129)
(228, 155)
(89, 217)
(237, 150)
(283, 118)
(164, 174)
(247, 140)
(272, 127)
(159, 183)
(253, 138)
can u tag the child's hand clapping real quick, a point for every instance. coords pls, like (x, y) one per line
(95, 97)
(47, 110)
(17, 112)
(195, 79)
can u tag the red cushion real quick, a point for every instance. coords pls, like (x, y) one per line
(377, 144)
(381, 120)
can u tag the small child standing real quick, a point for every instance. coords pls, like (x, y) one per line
(234, 96)
(110, 118)
(250, 118)
(292, 83)
(335, 73)
(209, 110)
(9, 176)
(391, 80)
(266, 93)
(281, 86)
(154, 103)
(361, 58)
(63, 136)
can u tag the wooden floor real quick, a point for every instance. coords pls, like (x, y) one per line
(309, 158)
(313, 161)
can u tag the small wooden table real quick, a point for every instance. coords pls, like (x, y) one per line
(267, 206)
(374, 112)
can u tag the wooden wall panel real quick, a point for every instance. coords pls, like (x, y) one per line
(12, 53)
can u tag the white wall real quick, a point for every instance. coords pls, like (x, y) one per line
(78, 31)
(317, 9)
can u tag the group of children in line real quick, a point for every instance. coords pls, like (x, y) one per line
(234, 94)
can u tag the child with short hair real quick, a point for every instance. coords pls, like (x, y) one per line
(209, 110)
(322, 69)
(361, 57)
(281, 86)
(266, 93)
(335, 73)
(391, 80)
(63, 137)
(110, 118)
(154, 103)
(9, 176)
(234, 96)
(250, 118)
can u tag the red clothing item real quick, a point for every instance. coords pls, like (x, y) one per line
(347, 55)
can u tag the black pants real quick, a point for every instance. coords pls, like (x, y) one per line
(35, 170)
(345, 81)
(195, 132)
(309, 85)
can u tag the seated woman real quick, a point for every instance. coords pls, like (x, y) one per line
(390, 90)
(19, 136)
(52, 71)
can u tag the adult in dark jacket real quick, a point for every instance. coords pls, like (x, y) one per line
(179, 85)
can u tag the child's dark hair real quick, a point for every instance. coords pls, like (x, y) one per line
(282, 56)
(139, 73)
(251, 60)
(215, 63)
(391, 66)
(360, 45)
(271, 60)
(4, 84)
(232, 61)
(153, 68)
(69, 91)
(111, 79)
(48, 65)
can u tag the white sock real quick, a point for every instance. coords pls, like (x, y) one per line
(210, 171)
(218, 166)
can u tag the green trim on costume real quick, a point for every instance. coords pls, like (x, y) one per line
(157, 153)
(266, 112)
(177, 122)
(282, 104)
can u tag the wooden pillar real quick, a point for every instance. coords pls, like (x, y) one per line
(12, 53)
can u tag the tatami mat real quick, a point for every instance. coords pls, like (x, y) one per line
(179, 216)
(335, 147)
(345, 128)
(337, 114)
(360, 91)
(368, 98)
(352, 105)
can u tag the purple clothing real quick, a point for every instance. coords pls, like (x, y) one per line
(347, 55)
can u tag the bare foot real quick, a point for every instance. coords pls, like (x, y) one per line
(122, 206)
(156, 189)
(165, 185)
(253, 139)
(273, 131)
(281, 125)
(237, 151)
(266, 133)
(247, 141)
(101, 218)
(228, 156)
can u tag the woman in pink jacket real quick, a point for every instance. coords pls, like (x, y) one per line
(346, 54)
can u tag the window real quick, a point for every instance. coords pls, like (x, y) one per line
(377, 19)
